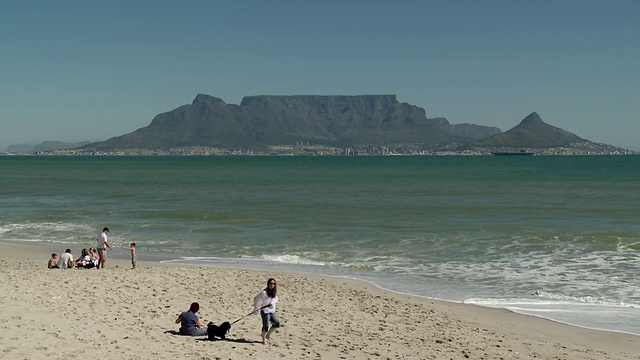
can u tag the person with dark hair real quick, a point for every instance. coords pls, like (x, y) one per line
(53, 262)
(134, 257)
(266, 301)
(84, 259)
(190, 323)
(103, 245)
(65, 260)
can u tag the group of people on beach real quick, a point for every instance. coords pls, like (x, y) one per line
(87, 260)
(264, 303)
(90, 258)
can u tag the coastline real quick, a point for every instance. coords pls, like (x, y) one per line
(124, 313)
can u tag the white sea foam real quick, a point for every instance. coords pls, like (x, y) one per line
(292, 259)
(63, 232)
(585, 312)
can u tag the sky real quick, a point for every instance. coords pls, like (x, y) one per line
(91, 70)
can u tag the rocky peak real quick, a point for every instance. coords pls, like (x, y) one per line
(532, 132)
(207, 100)
(531, 119)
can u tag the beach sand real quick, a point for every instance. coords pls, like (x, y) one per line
(119, 313)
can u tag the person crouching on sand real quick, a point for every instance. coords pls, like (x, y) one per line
(266, 301)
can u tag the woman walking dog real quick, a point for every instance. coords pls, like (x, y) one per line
(266, 301)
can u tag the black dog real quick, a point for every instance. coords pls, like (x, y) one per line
(214, 330)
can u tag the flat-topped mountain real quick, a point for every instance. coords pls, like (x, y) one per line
(260, 121)
(532, 132)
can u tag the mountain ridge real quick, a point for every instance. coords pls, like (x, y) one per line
(331, 125)
(263, 120)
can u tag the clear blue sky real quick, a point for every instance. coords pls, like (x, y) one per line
(91, 70)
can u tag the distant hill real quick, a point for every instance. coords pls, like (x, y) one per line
(16, 148)
(532, 132)
(58, 145)
(260, 121)
(45, 146)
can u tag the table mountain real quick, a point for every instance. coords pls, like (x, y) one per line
(259, 121)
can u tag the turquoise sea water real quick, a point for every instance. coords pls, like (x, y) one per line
(556, 237)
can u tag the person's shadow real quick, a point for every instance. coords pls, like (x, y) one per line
(240, 340)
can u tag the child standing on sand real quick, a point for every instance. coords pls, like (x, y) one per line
(134, 258)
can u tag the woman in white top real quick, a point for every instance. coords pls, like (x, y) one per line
(266, 301)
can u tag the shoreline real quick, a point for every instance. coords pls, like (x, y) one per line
(365, 320)
(221, 262)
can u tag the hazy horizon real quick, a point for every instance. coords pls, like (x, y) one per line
(76, 71)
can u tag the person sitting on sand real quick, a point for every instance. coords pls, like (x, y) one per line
(66, 260)
(190, 324)
(53, 262)
(82, 261)
(95, 257)
(87, 261)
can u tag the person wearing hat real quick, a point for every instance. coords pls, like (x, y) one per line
(103, 245)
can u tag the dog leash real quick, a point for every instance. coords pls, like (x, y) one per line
(250, 313)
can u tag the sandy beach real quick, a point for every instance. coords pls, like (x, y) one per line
(119, 313)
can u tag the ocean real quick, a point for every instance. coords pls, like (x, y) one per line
(549, 236)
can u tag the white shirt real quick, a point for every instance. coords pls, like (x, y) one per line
(102, 239)
(262, 299)
(64, 260)
(86, 260)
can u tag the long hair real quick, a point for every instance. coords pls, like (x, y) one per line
(272, 292)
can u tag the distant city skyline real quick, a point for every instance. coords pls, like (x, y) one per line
(75, 70)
